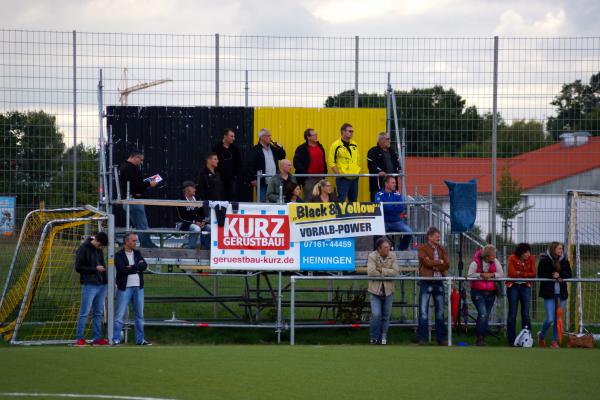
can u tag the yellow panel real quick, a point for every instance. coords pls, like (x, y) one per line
(287, 127)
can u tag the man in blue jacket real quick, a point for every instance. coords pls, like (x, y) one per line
(392, 213)
(130, 266)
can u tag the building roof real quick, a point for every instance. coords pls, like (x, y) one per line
(532, 169)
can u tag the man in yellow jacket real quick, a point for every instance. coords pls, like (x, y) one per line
(344, 159)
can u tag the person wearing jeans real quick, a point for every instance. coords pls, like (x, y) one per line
(89, 263)
(344, 159)
(130, 266)
(484, 267)
(553, 265)
(193, 219)
(381, 263)
(129, 172)
(520, 265)
(433, 262)
(393, 213)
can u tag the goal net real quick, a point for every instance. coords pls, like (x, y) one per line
(41, 294)
(583, 245)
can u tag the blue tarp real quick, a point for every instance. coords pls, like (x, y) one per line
(463, 205)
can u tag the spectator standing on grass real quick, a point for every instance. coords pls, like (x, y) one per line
(381, 263)
(309, 158)
(293, 193)
(433, 262)
(130, 266)
(344, 159)
(265, 157)
(382, 160)
(230, 164)
(130, 172)
(393, 213)
(521, 264)
(323, 192)
(193, 219)
(485, 266)
(210, 184)
(553, 264)
(89, 263)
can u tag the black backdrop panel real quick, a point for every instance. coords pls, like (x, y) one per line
(175, 141)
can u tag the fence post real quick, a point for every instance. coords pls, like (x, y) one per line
(110, 317)
(216, 69)
(246, 88)
(494, 143)
(356, 42)
(74, 118)
(449, 301)
(292, 310)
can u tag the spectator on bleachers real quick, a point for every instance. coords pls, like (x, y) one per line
(521, 264)
(265, 157)
(381, 160)
(381, 263)
(210, 183)
(278, 184)
(553, 264)
(193, 219)
(230, 164)
(309, 158)
(293, 193)
(130, 172)
(323, 192)
(344, 159)
(433, 262)
(485, 266)
(393, 213)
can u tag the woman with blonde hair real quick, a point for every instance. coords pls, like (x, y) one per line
(553, 265)
(323, 192)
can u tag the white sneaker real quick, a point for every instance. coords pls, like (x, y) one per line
(383, 341)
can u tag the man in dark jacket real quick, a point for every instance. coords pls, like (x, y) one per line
(230, 164)
(130, 266)
(265, 157)
(89, 263)
(309, 158)
(210, 183)
(130, 172)
(193, 219)
(381, 160)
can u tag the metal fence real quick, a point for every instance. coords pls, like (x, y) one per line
(446, 89)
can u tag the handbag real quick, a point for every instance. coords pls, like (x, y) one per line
(581, 340)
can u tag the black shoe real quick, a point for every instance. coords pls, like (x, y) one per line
(373, 341)
(145, 343)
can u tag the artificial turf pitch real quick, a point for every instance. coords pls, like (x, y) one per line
(303, 372)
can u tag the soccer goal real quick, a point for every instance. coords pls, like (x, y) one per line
(583, 246)
(41, 295)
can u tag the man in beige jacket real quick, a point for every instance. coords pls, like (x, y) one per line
(381, 263)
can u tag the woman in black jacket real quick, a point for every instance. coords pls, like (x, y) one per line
(553, 265)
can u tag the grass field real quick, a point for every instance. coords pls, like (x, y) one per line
(302, 372)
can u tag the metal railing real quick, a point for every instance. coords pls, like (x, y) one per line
(448, 281)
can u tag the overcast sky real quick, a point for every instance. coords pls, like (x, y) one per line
(310, 17)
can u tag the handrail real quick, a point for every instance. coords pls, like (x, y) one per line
(448, 280)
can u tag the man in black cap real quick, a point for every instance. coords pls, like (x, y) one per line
(89, 263)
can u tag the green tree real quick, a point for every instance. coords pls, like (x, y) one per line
(508, 200)
(575, 101)
(520, 137)
(436, 119)
(87, 177)
(32, 149)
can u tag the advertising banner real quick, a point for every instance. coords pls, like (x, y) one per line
(318, 221)
(256, 237)
(7, 215)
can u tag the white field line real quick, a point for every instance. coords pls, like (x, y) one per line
(80, 396)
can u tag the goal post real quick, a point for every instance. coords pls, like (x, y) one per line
(582, 239)
(41, 295)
